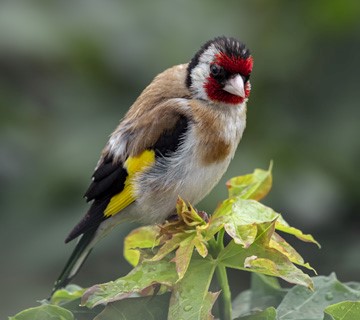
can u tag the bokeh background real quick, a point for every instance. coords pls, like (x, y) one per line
(69, 70)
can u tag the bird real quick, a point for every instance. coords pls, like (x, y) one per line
(177, 139)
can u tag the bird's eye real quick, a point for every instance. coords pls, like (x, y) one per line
(216, 70)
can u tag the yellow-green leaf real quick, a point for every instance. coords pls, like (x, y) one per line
(295, 232)
(262, 258)
(242, 234)
(172, 244)
(69, 293)
(239, 218)
(140, 238)
(251, 186)
(183, 255)
(285, 248)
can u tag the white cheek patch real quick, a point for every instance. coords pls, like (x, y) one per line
(201, 72)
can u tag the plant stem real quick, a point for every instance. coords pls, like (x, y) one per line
(225, 302)
(225, 307)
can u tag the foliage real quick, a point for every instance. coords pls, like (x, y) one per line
(175, 263)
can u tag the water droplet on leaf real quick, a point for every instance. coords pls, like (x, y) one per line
(329, 296)
(188, 307)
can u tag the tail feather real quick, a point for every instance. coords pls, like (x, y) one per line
(76, 260)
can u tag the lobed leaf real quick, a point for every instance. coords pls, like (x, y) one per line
(190, 298)
(142, 280)
(44, 312)
(251, 186)
(262, 258)
(346, 310)
(140, 238)
(286, 249)
(171, 244)
(155, 307)
(265, 292)
(267, 314)
(69, 293)
(298, 303)
(301, 303)
(183, 255)
(284, 227)
(235, 213)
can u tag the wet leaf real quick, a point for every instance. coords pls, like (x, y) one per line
(265, 292)
(268, 314)
(190, 297)
(301, 303)
(44, 312)
(155, 307)
(346, 310)
(142, 280)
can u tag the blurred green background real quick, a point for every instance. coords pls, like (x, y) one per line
(69, 70)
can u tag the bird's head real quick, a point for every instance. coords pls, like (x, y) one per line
(219, 72)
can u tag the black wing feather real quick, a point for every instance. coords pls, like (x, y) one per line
(170, 140)
(106, 168)
(100, 188)
(109, 178)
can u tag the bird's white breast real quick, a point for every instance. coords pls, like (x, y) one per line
(183, 173)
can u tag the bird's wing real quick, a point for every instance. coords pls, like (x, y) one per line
(111, 188)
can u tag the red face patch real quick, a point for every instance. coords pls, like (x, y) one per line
(232, 65)
(235, 65)
(216, 93)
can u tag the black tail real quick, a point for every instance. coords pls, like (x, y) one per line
(76, 260)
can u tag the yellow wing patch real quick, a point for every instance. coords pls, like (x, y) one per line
(133, 166)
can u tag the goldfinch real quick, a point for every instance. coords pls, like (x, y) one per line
(177, 139)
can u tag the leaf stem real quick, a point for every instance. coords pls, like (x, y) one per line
(225, 302)
(225, 308)
(220, 239)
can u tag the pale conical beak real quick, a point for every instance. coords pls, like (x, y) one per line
(235, 86)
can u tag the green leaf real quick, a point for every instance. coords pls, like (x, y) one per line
(155, 307)
(301, 303)
(172, 244)
(284, 227)
(143, 237)
(346, 310)
(268, 314)
(140, 280)
(265, 292)
(190, 297)
(65, 295)
(183, 255)
(282, 246)
(185, 244)
(240, 216)
(251, 186)
(44, 312)
(260, 257)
